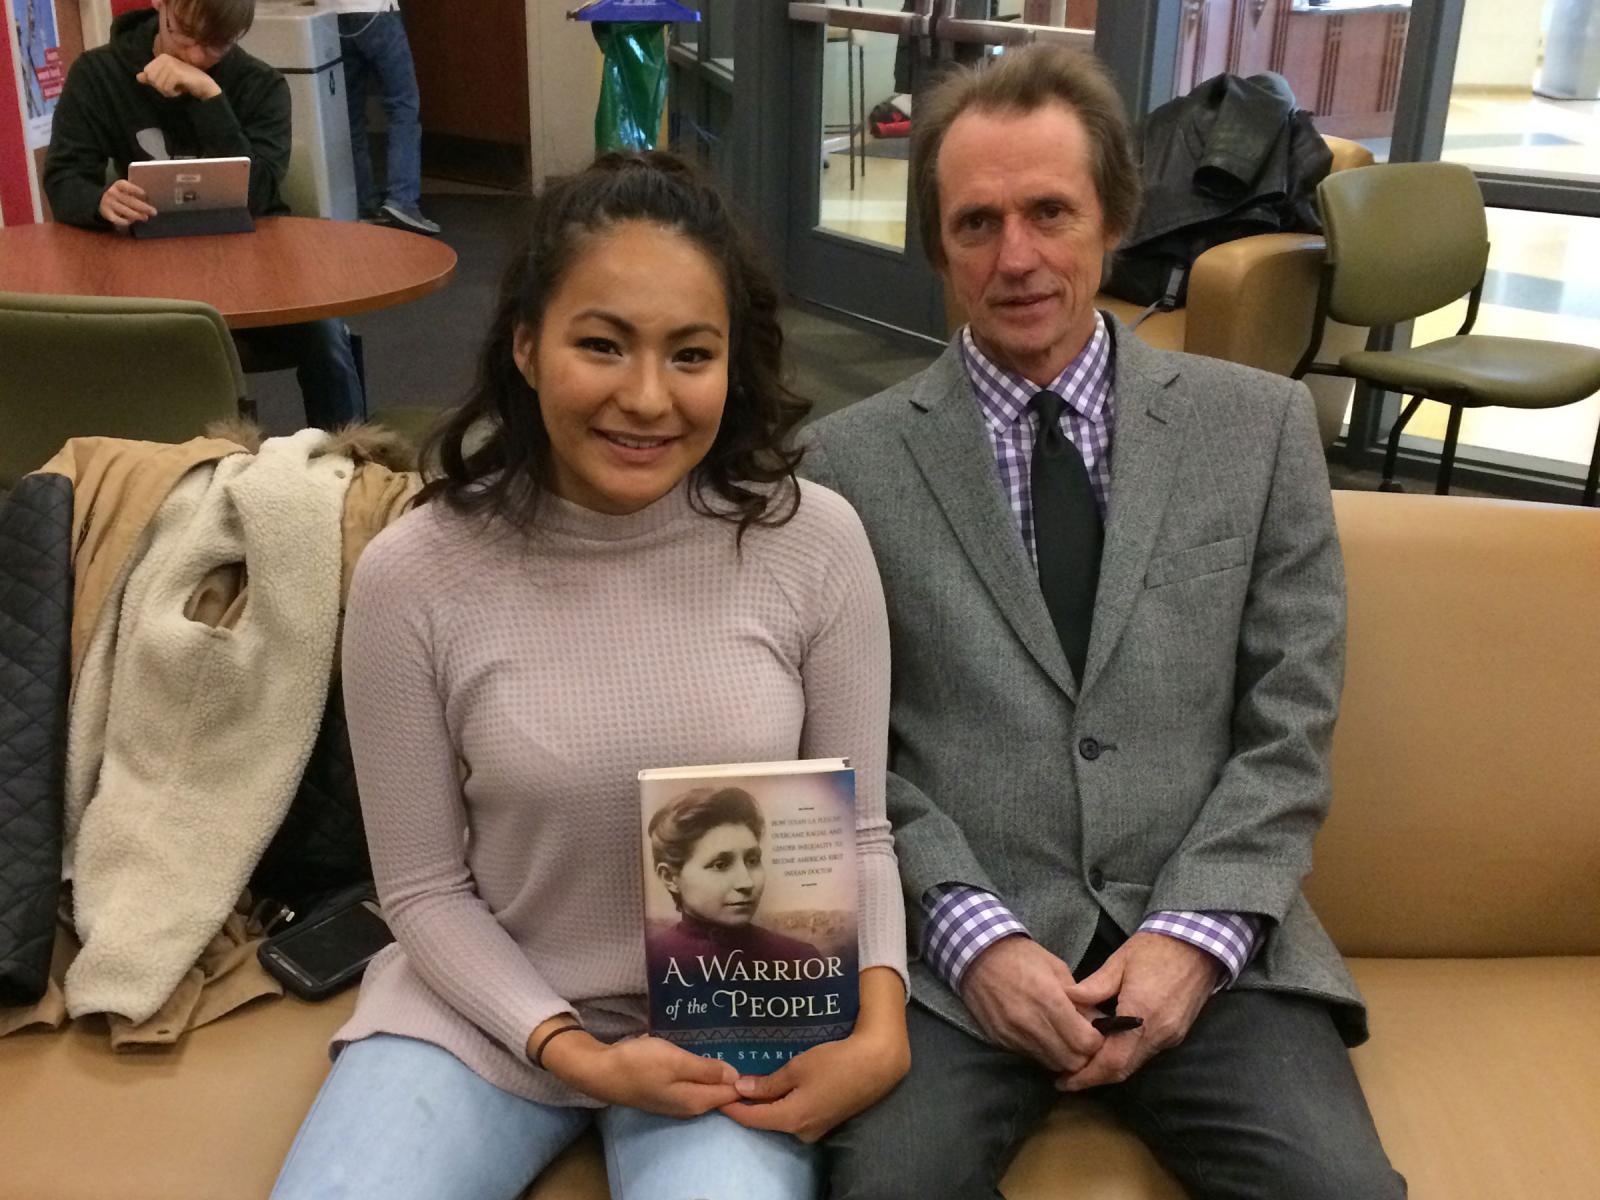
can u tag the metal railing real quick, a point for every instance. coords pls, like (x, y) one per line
(937, 20)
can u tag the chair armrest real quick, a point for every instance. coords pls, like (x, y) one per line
(1347, 154)
(1251, 300)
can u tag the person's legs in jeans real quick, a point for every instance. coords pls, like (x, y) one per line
(399, 1119)
(388, 56)
(325, 364)
(706, 1158)
(356, 76)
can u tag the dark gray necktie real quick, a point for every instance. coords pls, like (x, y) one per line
(1066, 531)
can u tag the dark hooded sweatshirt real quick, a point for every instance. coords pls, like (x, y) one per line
(105, 113)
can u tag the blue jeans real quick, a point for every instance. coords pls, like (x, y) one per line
(375, 45)
(399, 1119)
(324, 362)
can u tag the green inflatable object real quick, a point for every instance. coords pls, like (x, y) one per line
(633, 84)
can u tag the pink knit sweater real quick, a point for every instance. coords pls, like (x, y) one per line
(503, 692)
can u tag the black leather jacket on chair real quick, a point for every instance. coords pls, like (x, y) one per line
(1234, 157)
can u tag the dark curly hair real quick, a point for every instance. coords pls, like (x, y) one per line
(492, 456)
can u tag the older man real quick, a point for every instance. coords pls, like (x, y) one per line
(1117, 603)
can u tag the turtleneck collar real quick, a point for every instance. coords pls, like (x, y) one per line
(564, 517)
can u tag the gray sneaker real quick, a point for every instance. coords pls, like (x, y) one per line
(409, 217)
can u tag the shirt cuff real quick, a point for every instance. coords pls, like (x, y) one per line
(1230, 938)
(962, 923)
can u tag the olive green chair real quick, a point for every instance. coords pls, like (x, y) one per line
(417, 423)
(412, 422)
(1406, 239)
(80, 366)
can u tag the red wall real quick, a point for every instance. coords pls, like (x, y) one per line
(16, 196)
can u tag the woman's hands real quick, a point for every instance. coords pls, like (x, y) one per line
(821, 1088)
(645, 1073)
(828, 1084)
(808, 1096)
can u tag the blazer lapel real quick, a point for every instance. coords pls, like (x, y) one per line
(952, 450)
(1151, 424)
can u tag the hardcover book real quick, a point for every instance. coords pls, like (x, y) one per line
(750, 908)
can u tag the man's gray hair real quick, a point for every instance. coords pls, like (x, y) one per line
(1022, 81)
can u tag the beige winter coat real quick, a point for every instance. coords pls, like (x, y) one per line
(119, 489)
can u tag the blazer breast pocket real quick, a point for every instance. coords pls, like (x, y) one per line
(1209, 559)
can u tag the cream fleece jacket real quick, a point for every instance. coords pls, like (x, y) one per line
(206, 729)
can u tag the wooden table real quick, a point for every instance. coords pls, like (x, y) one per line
(290, 269)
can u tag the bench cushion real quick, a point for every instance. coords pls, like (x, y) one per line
(1480, 1074)
(213, 1116)
(1466, 770)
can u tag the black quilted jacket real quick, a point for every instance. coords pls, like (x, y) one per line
(35, 644)
(320, 848)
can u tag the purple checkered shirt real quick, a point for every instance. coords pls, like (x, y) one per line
(963, 921)
(1086, 419)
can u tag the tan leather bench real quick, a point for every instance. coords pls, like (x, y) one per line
(1460, 871)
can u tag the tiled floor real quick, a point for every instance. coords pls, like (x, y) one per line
(833, 363)
(874, 207)
(1518, 131)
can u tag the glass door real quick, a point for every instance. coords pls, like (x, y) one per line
(1340, 58)
(703, 86)
(855, 70)
(852, 245)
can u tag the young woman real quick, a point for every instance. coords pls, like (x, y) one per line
(624, 574)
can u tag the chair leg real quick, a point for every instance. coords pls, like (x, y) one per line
(1592, 485)
(850, 104)
(861, 107)
(358, 352)
(1447, 460)
(1393, 452)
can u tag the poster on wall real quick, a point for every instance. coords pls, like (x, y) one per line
(42, 76)
(19, 203)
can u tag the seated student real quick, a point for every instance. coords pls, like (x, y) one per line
(171, 83)
(624, 575)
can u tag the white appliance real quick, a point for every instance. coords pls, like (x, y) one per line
(303, 43)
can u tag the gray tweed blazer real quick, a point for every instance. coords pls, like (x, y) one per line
(1190, 768)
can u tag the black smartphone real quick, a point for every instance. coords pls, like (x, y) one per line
(328, 951)
(1109, 1025)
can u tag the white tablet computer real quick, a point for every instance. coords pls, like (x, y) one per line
(193, 184)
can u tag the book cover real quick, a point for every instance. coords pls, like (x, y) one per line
(750, 908)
